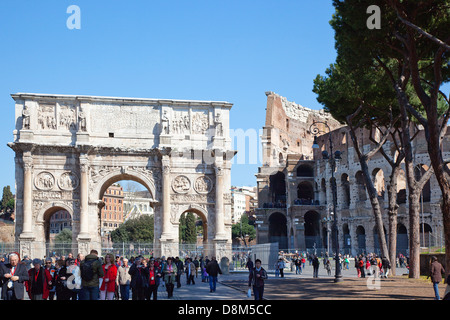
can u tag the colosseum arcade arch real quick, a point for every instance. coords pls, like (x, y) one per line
(69, 149)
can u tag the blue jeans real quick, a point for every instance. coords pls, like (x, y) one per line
(258, 292)
(436, 290)
(125, 291)
(89, 293)
(212, 283)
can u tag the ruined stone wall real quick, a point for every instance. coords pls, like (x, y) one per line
(355, 216)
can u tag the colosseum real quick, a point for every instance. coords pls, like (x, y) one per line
(294, 189)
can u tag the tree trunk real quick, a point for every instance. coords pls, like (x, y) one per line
(414, 234)
(392, 213)
(373, 197)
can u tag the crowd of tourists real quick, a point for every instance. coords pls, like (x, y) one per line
(100, 278)
(114, 277)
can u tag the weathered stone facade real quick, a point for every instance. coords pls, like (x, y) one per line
(294, 189)
(70, 149)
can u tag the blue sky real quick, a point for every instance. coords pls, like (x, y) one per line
(200, 49)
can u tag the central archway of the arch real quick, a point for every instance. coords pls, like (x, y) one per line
(70, 149)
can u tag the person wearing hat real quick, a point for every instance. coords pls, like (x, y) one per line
(37, 284)
(51, 270)
(139, 280)
(13, 275)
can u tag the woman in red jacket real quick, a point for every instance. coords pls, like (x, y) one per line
(39, 278)
(108, 286)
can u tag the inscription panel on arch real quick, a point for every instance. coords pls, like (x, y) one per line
(124, 119)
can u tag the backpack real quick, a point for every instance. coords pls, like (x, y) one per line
(87, 270)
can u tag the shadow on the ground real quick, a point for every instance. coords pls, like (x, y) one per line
(349, 289)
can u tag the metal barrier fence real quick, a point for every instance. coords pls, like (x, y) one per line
(267, 253)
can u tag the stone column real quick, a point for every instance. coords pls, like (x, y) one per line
(26, 238)
(84, 197)
(27, 230)
(84, 237)
(220, 221)
(166, 224)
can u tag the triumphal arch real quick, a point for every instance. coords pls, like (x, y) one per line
(69, 149)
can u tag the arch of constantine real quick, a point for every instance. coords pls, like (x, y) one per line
(70, 149)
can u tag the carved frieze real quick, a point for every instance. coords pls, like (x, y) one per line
(181, 184)
(200, 122)
(181, 122)
(44, 181)
(203, 185)
(46, 117)
(68, 181)
(67, 118)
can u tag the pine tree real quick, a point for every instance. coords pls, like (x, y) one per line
(7, 203)
(191, 232)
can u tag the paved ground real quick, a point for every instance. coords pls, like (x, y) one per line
(305, 287)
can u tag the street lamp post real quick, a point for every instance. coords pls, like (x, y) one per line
(332, 157)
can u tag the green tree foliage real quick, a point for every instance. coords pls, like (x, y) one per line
(187, 228)
(65, 236)
(7, 202)
(191, 230)
(182, 228)
(404, 62)
(242, 229)
(140, 229)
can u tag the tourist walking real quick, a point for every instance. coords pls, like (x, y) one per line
(249, 264)
(170, 272)
(139, 280)
(328, 266)
(436, 272)
(123, 280)
(108, 287)
(190, 270)
(197, 265)
(58, 282)
(179, 265)
(37, 284)
(316, 264)
(50, 268)
(213, 270)
(298, 266)
(256, 279)
(154, 276)
(361, 273)
(91, 271)
(13, 276)
(281, 266)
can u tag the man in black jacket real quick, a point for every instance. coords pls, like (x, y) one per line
(213, 270)
(13, 276)
(256, 278)
(139, 280)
